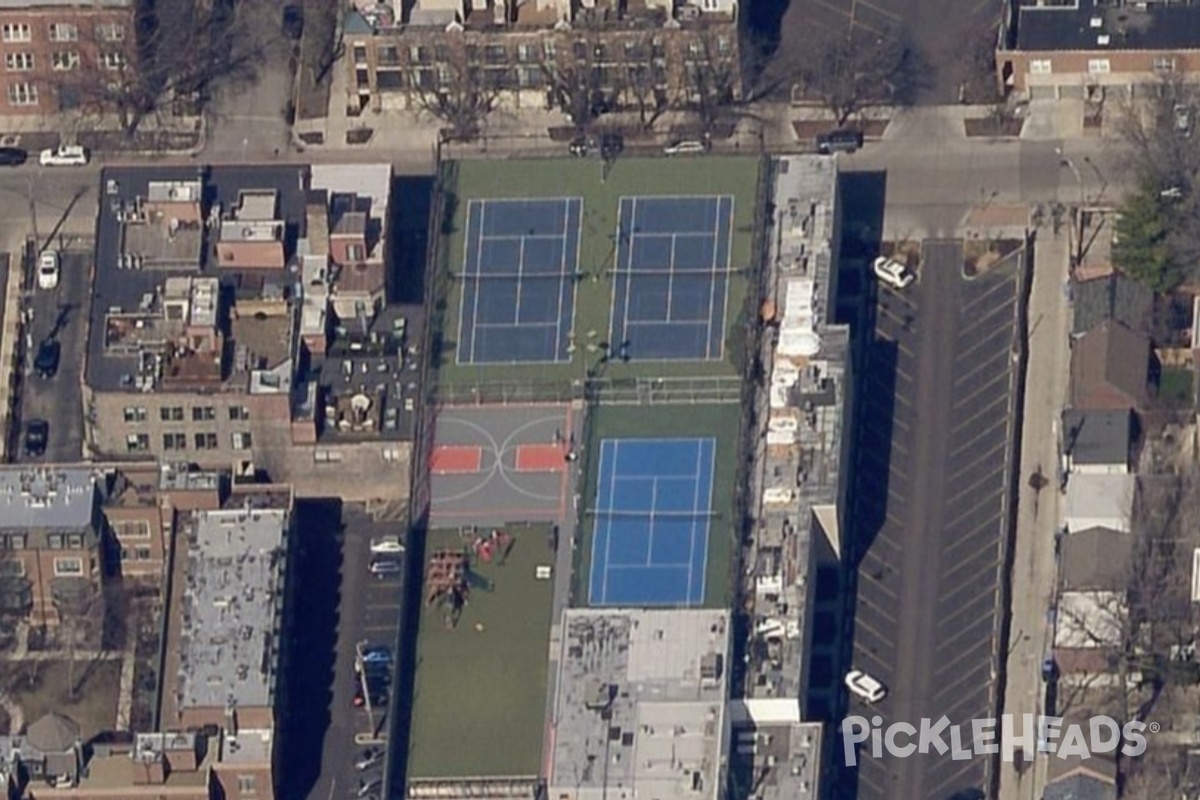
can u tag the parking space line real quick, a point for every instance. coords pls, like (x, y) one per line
(964, 677)
(1000, 400)
(986, 569)
(960, 632)
(993, 520)
(987, 366)
(983, 456)
(987, 292)
(983, 481)
(382, 607)
(966, 400)
(971, 607)
(971, 444)
(982, 321)
(869, 662)
(881, 612)
(388, 628)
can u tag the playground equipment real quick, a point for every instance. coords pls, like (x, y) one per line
(447, 583)
(496, 544)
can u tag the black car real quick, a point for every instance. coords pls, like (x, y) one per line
(579, 146)
(46, 360)
(293, 21)
(37, 435)
(611, 145)
(12, 156)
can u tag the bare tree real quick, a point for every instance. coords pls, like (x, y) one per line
(579, 79)
(711, 77)
(848, 71)
(457, 93)
(645, 87)
(81, 611)
(180, 52)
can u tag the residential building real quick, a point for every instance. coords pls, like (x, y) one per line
(1096, 559)
(1113, 297)
(1093, 778)
(56, 52)
(1099, 501)
(782, 752)
(225, 633)
(51, 542)
(1097, 442)
(50, 753)
(638, 54)
(1093, 48)
(240, 318)
(1110, 369)
(640, 707)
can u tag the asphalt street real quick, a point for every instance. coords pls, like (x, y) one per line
(930, 501)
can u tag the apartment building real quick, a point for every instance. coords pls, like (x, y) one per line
(240, 318)
(51, 542)
(1094, 48)
(54, 49)
(643, 54)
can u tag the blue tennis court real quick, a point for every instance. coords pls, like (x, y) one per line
(652, 516)
(519, 266)
(671, 281)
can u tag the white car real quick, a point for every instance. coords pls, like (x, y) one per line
(387, 544)
(684, 148)
(64, 156)
(48, 268)
(893, 273)
(865, 687)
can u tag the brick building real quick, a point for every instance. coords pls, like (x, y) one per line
(1093, 48)
(240, 317)
(48, 44)
(51, 542)
(633, 53)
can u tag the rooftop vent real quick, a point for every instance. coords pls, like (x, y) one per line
(1097, 22)
(1102, 39)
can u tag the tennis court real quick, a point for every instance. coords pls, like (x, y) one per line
(519, 267)
(652, 517)
(671, 281)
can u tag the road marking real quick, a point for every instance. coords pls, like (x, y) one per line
(960, 632)
(879, 610)
(982, 454)
(967, 423)
(986, 366)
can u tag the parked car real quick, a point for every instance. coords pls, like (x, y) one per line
(293, 21)
(45, 363)
(578, 147)
(845, 140)
(611, 145)
(383, 566)
(65, 155)
(893, 273)
(376, 655)
(37, 436)
(12, 156)
(48, 269)
(685, 148)
(864, 686)
(387, 544)
(369, 787)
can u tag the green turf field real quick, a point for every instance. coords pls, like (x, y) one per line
(669, 421)
(467, 180)
(480, 699)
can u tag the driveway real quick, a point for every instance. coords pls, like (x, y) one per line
(931, 500)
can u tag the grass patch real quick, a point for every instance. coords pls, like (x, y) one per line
(44, 686)
(1177, 387)
(628, 177)
(719, 421)
(480, 699)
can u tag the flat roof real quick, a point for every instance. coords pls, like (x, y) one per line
(1100, 500)
(231, 606)
(640, 704)
(1098, 437)
(1090, 25)
(126, 289)
(372, 182)
(46, 497)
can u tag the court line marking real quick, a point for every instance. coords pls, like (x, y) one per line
(520, 282)
(629, 269)
(462, 298)
(478, 284)
(712, 286)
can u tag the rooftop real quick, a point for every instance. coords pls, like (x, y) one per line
(1102, 25)
(1110, 368)
(152, 226)
(1098, 437)
(1105, 500)
(640, 704)
(785, 753)
(1089, 620)
(1114, 297)
(46, 497)
(231, 607)
(802, 475)
(1097, 559)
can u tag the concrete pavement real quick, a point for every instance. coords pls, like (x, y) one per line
(1033, 565)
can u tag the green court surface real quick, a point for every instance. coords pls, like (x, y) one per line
(480, 699)
(554, 178)
(720, 421)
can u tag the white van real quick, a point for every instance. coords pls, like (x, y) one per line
(64, 156)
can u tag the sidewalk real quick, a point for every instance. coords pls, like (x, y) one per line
(104, 134)
(10, 332)
(1033, 566)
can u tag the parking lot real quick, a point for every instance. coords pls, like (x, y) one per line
(59, 315)
(346, 610)
(932, 465)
